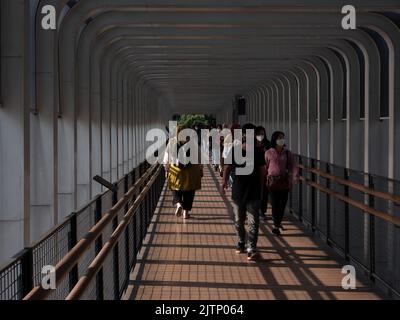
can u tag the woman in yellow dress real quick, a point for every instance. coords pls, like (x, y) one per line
(183, 179)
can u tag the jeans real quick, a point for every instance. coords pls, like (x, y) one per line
(251, 209)
(279, 200)
(185, 198)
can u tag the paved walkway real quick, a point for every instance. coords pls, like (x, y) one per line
(196, 260)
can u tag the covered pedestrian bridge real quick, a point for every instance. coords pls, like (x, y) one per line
(82, 82)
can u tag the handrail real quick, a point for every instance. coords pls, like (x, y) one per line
(386, 196)
(21, 254)
(98, 261)
(351, 223)
(359, 205)
(356, 186)
(50, 232)
(65, 265)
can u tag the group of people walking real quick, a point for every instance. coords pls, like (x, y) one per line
(274, 174)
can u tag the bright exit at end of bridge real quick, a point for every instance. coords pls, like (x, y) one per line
(190, 159)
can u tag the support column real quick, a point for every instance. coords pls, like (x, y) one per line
(14, 133)
(43, 131)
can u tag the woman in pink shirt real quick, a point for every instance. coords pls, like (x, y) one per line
(280, 165)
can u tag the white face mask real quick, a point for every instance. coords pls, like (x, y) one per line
(260, 138)
(280, 142)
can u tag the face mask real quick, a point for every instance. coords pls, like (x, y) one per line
(260, 138)
(280, 142)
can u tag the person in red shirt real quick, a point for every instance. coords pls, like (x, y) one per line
(281, 172)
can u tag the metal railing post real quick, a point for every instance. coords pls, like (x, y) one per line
(116, 253)
(154, 195)
(72, 240)
(140, 213)
(134, 224)
(300, 213)
(371, 203)
(27, 271)
(144, 205)
(127, 244)
(313, 197)
(148, 210)
(98, 246)
(291, 209)
(346, 218)
(328, 206)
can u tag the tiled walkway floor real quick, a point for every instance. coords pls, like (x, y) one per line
(196, 260)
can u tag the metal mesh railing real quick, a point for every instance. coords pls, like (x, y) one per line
(49, 252)
(20, 276)
(108, 279)
(11, 280)
(117, 265)
(338, 211)
(369, 238)
(358, 221)
(322, 201)
(85, 220)
(387, 235)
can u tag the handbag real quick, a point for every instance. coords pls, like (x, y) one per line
(281, 182)
(180, 164)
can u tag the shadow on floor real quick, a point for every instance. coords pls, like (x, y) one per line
(294, 266)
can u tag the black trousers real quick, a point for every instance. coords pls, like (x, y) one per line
(264, 199)
(185, 198)
(279, 201)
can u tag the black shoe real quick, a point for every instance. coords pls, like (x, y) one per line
(253, 255)
(282, 228)
(240, 248)
(276, 231)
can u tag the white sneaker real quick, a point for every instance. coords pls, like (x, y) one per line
(186, 214)
(178, 211)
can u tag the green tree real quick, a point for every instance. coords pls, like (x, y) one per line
(192, 120)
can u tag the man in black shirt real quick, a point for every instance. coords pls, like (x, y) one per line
(246, 191)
